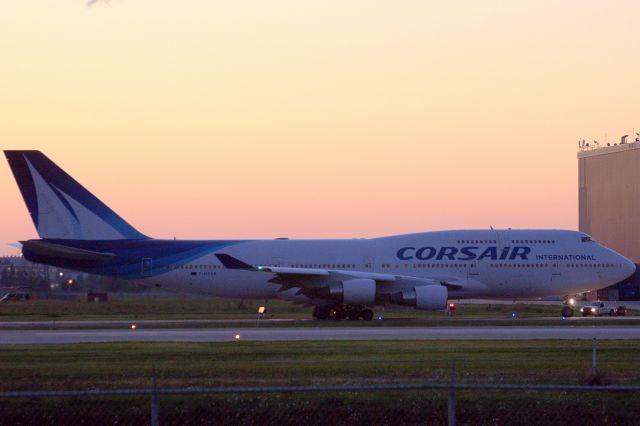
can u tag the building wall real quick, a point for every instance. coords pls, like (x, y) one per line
(609, 207)
(609, 197)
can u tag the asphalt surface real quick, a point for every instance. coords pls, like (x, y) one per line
(10, 337)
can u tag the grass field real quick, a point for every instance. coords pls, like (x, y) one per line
(139, 307)
(129, 365)
(136, 308)
(123, 365)
(189, 307)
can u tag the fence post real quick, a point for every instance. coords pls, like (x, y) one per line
(451, 403)
(594, 348)
(155, 402)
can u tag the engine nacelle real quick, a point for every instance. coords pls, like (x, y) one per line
(357, 291)
(426, 297)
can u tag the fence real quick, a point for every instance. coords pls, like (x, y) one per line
(415, 403)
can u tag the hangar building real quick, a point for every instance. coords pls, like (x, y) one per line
(609, 204)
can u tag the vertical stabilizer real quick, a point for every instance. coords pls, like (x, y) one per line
(59, 206)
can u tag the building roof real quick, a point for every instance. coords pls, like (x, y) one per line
(592, 151)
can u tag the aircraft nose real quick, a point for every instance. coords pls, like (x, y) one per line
(628, 267)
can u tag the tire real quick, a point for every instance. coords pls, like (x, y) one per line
(322, 313)
(353, 314)
(339, 314)
(366, 314)
(612, 313)
(566, 312)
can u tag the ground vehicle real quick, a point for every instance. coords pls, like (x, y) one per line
(618, 311)
(15, 297)
(597, 309)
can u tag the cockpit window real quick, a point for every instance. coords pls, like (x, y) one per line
(587, 239)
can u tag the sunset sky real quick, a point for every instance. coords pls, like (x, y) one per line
(262, 119)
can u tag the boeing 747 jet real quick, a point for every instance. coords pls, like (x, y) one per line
(341, 278)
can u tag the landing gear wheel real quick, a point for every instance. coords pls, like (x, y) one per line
(339, 314)
(353, 314)
(321, 313)
(366, 314)
(567, 312)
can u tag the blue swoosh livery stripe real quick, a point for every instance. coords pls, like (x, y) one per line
(129, 255)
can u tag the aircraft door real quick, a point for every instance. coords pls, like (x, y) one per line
(368, 263)
(555, 279)
(147, 266)
(473, 268)
(504, 239)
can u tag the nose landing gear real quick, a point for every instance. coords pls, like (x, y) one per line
(567, 311)
(353, 313)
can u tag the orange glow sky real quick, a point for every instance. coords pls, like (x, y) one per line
(262, 119)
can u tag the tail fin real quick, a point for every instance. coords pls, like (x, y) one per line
(59, 206)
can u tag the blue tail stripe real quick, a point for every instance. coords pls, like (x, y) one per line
(27, 187)
(60, 180)
(64, 202)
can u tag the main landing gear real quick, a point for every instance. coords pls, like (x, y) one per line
(352, 313)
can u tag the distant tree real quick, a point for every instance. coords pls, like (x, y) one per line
(4, 278)
(12, 276)
(42, 284)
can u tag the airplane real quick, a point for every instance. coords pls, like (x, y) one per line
(341, 278)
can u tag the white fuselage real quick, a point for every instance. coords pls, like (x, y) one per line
(480, 263)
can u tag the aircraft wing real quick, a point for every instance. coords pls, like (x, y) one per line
(289, 277)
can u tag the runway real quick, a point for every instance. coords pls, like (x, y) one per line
(15, 337)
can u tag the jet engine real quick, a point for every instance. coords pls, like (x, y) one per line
(426, 297)
(357, 291)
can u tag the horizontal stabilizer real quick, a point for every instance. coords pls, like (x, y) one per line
(42, 248)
